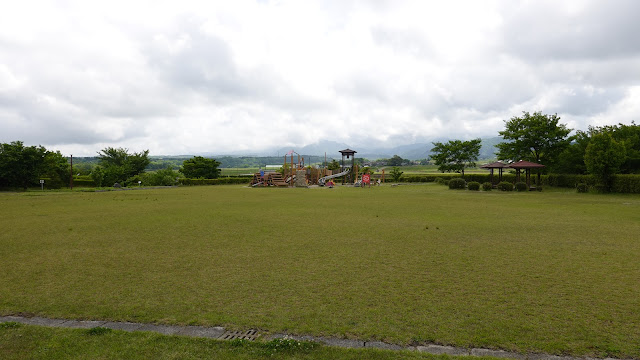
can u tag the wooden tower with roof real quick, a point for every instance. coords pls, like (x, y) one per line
(348, 153)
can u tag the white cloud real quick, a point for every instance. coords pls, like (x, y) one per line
(201, 76)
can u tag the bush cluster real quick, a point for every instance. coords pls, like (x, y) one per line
(473, 185)
(505, 186)
(487, 186)
(457, 183)
(521, 186)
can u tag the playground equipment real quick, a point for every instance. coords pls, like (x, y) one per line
(323, 180)
(296, 172)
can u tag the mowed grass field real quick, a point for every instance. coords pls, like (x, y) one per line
(555, 272)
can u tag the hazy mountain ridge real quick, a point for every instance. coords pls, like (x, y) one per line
(332, 149)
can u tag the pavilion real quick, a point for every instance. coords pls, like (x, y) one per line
(527, 166)
(496, 165)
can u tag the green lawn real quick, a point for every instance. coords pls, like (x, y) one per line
(34, 342)
(550, 272)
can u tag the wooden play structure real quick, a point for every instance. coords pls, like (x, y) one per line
(295, 173)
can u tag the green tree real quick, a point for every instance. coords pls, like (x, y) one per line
(629, 136)
(56, 168)
(200, 167)
(23, 166)
(571, 159)
(534, 137)
(395, 161)
(396, 173)
(603, 158)
(333, 165)
(118, 165)
(20, 166)
(456, 155)
(97, 174)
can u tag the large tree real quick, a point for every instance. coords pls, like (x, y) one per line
(200, 167)
(395, 161)
(534, 137)
(456, 155)
(118, 165)
(571, 160)
(603, 157)
(23, 166)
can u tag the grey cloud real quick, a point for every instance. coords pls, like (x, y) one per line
(583, 101)
(604, 29)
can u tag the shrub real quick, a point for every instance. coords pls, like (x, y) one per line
(487, 186)
(446, 182)
(626, 184)
(9, 325)
(582, 188)
(505, 186)
(521, 186)
(457, 183)
(473, 185)
(396, 173)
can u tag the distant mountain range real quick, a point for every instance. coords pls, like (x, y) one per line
(415, 151)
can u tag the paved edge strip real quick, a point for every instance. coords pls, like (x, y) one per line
(216, 332)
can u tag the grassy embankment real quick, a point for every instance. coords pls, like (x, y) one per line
(552, 272)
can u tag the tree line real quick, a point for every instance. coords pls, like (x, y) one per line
(600, 151)
(25, 166)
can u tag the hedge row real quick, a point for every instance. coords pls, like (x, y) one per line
(83, 183)
(481, 178)
(220, 181)
(626, 184)
(621, 183)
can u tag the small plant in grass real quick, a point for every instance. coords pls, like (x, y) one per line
(473, 185)
(582, 188)
(457, 183)
(239, 342)
(521, 186)
(505, 186)
(446, 182)
(289, 345)
(487, 186)
(9, 325)
(98, 331)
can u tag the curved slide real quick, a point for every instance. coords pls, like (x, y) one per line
(322, 180)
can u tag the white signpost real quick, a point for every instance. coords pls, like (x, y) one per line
(42, 184)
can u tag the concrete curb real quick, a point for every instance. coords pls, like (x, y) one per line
(218, 332)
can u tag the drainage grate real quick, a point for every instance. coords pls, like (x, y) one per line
(246, 335)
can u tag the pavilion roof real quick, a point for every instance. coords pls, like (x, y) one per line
(347, 151)
(495, 165)
(525, 165)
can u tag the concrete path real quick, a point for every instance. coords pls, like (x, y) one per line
(220, 333)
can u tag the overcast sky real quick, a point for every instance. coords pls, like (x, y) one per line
(185, 77)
